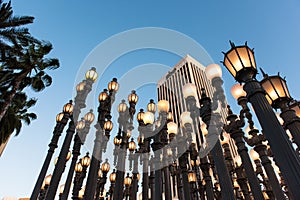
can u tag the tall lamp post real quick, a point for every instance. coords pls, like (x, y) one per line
(61, 121)
(61, 162)
(240, 62)
(279, 97)
(106, 100)
(257, 140)
(83, 128)
(125, 121)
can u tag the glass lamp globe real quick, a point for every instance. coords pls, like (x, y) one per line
(148, 118)
(213, 71)
(108, 125)
(131, 145)
(59, 117)
(117, 140)
(89, 117)
(128, 180)
(103, 96)
(276, 89)
(133, 97)
(113, 85)
(163, 106)
(172, 128)
(151, 107)
(78, 167)
(192, 177)
(80, 125)
(140, 116)
(105, 166)
(112, 176)
(185, 118)
(81, 192)
(86, 160)
(140, 139)
(91, 74)
(48, 179)
(68, 108)
(128, 134)
(80, 86)
(240, 62)
(237, 91)
(122, 107)
(189, 89)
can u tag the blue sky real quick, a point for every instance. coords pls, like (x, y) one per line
(76, 28)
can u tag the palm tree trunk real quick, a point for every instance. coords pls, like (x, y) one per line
(9, 97)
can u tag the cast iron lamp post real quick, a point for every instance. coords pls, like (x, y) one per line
(80, 169)
(257, 140)
(61, 162)
(83, 89)
(241, 64)
(279, 97)
(112, 178)
(61, 121)
(234, 128)
(264, 180)
(213, 123)
(125, 121)
(241, 178)
(83, 128)
(105, 167)
(127, 183)
(106, 100)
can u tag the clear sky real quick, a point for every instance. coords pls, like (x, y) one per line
(76, 28)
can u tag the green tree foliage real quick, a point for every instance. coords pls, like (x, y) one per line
(23, 64)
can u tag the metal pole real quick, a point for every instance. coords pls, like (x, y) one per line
(288, 161)
(61, 162)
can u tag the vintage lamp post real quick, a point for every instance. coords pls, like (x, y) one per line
(256, 140)
(102, 135)
(279, 97)
(61, 121)
(240, 62)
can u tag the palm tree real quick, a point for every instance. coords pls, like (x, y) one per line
(15, 115)
(31, 66)
(12, 32)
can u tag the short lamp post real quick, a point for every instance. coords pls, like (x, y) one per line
(240, 62)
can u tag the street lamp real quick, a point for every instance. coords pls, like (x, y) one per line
(80, 169)
(279, 97)
(61, 121)
(102, 135)
(240, 62)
